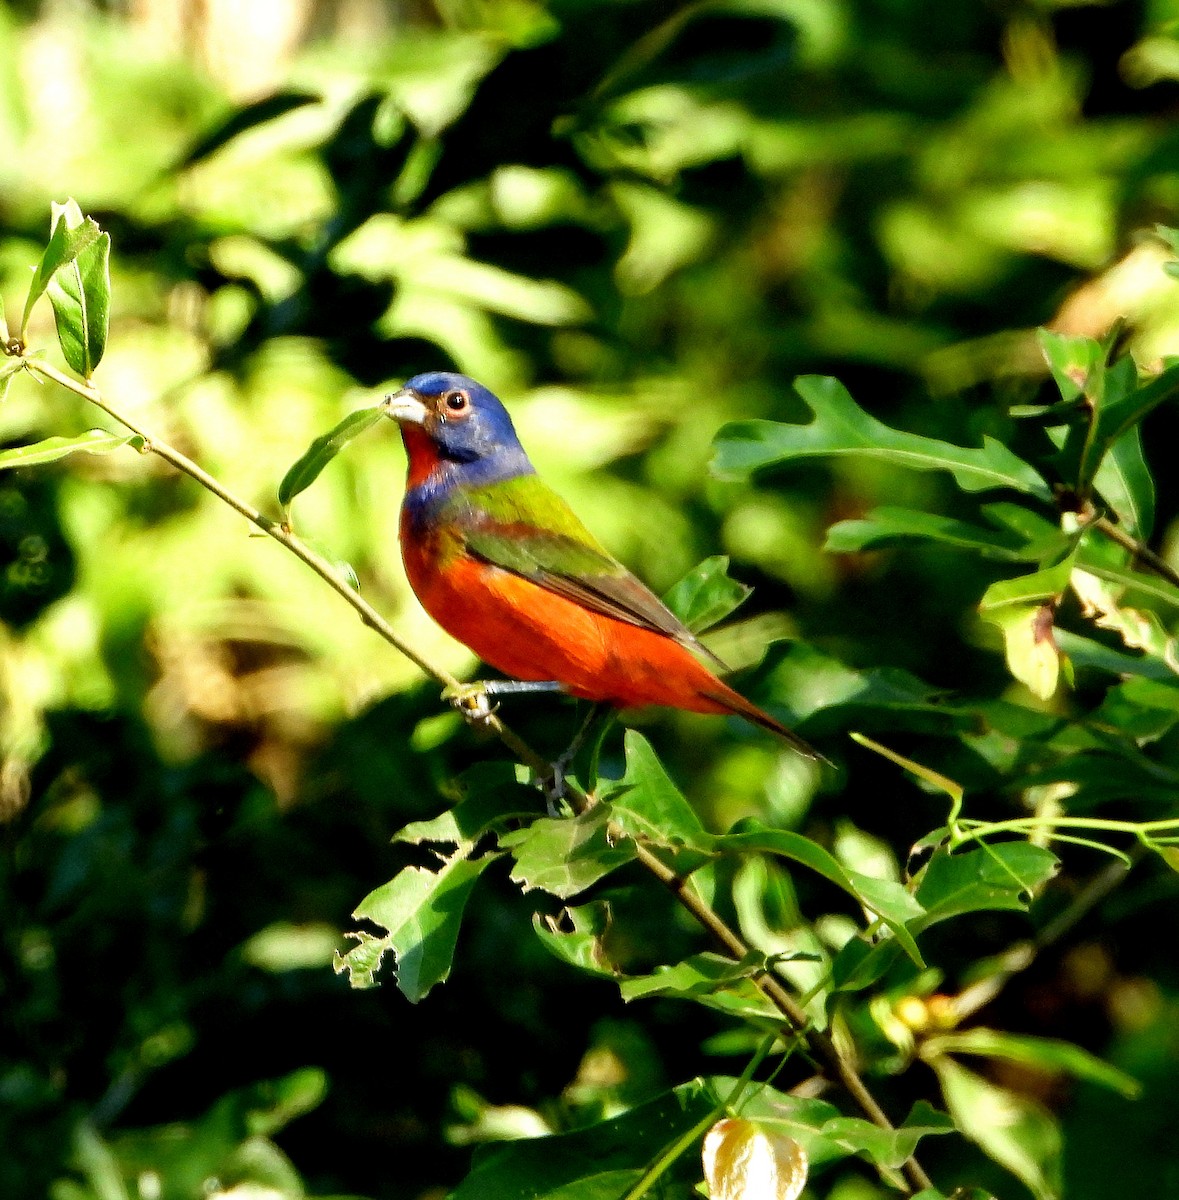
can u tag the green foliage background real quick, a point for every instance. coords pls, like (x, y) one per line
(637, 223)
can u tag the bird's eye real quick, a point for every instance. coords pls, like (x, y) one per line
(456, 402)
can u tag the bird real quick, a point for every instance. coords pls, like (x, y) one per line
(499, 560)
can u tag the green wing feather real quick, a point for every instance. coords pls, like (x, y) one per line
(523, 526)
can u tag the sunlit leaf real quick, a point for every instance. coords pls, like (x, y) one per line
(70, 234)
(1002, 875)
(890, 901)
(493, 795)
(80, 292)
(566, 856)
(647, 804)
(840, 426)
(1014, 1130)
(241, 120)
(421, 911)
(699, 975)
(1048, 1054)
(93, 441)
(575, 937)
(307, 469)
(706, 595)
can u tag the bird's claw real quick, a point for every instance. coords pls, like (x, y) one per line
(470, 700)
(555, 791)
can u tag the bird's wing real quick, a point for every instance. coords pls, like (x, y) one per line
(522, 526)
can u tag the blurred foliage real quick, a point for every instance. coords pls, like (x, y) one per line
(639, 224)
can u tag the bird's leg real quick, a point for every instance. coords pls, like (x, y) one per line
(471, 699)
(555, 787)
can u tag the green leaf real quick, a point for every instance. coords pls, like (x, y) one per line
(646, 803)
(1016, 1132)
(1035, 588)
(70, 234)
(493, 796)
(422, 911)
(706, 594)
(1077, 363)
(1124, 482)
(93, 441)
(888, 900)
(80, 292)
(998, 876)
(321, 452)
(842, 427)
(826, 1135)
(580, 945)
(887, 1148)
(889, 526)
(599, 1162)
(1029, 646)
(699, 975)
(566, 856)
(1048, 1054)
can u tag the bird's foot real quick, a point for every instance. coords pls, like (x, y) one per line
(556, 791)
(471, 700)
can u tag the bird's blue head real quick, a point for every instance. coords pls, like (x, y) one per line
(456, 432)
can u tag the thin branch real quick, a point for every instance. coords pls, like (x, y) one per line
(1139, 549)
(792, 1012)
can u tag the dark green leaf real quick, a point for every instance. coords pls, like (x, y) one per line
(566, 856)
(93, 441)
(321, 452)
(840, 426)
(80, 292)
(422, 911)
(706, 594)
(600, 1162)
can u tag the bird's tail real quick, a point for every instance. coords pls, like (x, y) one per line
(730, 701)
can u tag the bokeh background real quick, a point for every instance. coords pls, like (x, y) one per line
(635, 221)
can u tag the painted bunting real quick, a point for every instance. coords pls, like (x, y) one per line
(501, 562)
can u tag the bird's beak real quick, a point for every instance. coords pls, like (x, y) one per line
(405, 408)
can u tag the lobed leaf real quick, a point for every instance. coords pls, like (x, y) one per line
(566, 856)
(646, 803)
(998, 876)
(421, 911)
(840, 426)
